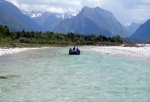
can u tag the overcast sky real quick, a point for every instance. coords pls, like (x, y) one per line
(126, 11)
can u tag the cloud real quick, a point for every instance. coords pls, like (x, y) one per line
(49, 5)
(124, 10)
(127, 11)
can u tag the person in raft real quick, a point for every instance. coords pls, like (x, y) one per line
(74, 48)
(78, 50)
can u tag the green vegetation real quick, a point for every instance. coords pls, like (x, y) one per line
(26, 39)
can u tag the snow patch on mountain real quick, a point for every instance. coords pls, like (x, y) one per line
(35, 14)
(32, 14)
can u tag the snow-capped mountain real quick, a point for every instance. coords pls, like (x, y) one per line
(35, 14)
(132, 27)
(48, 20)
(87, 21)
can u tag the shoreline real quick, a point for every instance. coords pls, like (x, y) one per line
(10, 51)
(141, 52)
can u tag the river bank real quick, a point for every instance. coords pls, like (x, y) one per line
(9, 51)
(143, 51)
(6, 51)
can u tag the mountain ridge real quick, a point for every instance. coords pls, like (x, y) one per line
(16, 18)
(104, 20)
(143, 32)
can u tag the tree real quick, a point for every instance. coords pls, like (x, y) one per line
(117, 38)
(7, 32)
(3, 32)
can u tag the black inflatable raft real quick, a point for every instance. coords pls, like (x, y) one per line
(74, 52)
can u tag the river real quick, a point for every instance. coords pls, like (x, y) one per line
(51, 75)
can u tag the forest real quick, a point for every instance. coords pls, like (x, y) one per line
(24, 38)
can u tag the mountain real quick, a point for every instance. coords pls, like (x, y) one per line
(12, 23)
(88, 21)
(48, 20)
(131, 28)
(92, 21)
(12, 17)
(143, 32)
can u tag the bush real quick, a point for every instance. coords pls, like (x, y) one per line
(24, 40)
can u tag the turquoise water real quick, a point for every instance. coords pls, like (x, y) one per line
(51, 75)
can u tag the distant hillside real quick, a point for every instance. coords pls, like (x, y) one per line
(143, 32)
(13, 23)
(12, 17)
(92, 21)
(132, 28)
